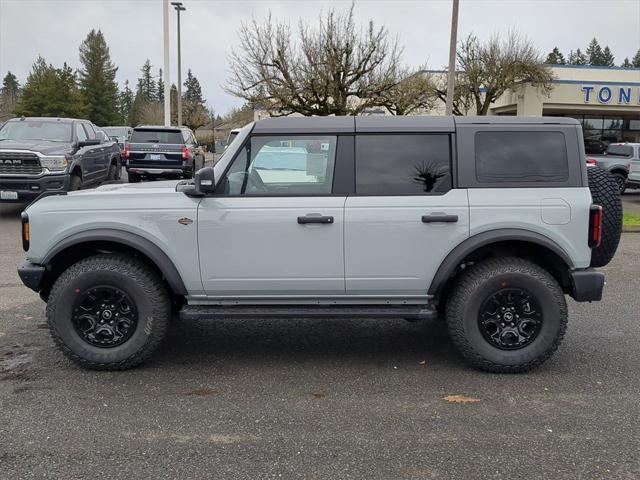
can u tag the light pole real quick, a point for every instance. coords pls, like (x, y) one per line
(452, 58)
(179, 8)
(167, 82)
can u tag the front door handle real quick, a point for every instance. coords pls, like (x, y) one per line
(315, 219)
(439, 218)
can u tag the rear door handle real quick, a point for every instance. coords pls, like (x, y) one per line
(315, 219)
(439, 218)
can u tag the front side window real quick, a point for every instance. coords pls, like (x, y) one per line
(287, 165)
(80, 133)
(405, 164)
(521, 157)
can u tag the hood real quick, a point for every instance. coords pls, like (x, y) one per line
(142, 188)
(42, 146)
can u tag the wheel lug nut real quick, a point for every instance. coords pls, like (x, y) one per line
(512, 324)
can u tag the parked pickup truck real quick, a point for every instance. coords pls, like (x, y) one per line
(616, 160)
(488, 222)
(162, 152)
(40, 155)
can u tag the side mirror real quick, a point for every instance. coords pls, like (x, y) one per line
(205, 181)
(89, 142)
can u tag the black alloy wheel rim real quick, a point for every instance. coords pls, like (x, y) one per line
(621, 181)
(104, 316)
(510, 319)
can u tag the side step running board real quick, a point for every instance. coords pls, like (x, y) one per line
(413, 312)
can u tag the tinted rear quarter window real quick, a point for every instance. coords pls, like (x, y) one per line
(157, 136)
(404, 164)
(521, 157)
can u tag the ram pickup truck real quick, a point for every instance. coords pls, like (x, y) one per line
(486, 222)
(617, 160)
(39, 155)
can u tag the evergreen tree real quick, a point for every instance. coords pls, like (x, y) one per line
(9, 93)
(555, 57)
(626, 63)
(607, 57)
(160, 89)
(98, 80)
(125, 104)
(51, 92)
(195, 114)
(146, 84)
(173, 101)
(192, 89)
(577, 58)
(137, 109)
(636, 59)
(594, 53)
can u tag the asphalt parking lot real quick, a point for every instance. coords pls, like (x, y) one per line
(321, 399)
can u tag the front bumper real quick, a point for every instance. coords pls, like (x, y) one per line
(29, 188)
(586, 285)
(31, 275)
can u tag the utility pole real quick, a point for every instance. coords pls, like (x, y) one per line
(167, 79)
(179, 8)
(451, 80)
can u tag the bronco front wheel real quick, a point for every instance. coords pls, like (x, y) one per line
(108, 312)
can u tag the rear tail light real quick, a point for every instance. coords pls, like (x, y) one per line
(186, 154)
(591, 161)
(595, 225)
(127, 150)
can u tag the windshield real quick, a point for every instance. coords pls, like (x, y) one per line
(51, 131)
(232, 149)
(157, 136)
(622, 150)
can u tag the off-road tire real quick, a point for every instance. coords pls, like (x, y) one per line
(605, 192)
(113, 171)
(133, 177)
(75, 183)
(621, 180)
(481, 281)
(128, 274)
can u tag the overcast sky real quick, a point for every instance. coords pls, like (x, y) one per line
(133, 29)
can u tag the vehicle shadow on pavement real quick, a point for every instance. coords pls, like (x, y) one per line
(286, 341)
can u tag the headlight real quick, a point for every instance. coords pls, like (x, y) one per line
(54, 162)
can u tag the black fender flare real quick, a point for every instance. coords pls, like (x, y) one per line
(135, 241)
(471, 244)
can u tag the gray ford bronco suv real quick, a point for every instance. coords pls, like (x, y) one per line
(487, 222)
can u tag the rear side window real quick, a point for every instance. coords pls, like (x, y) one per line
(403, 164)
(157, 136)
(521, 157)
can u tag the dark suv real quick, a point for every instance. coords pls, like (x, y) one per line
(157, 152)
(53, 154)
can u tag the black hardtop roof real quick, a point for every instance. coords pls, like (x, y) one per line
(392, 123)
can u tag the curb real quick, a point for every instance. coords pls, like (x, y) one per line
(631, 229)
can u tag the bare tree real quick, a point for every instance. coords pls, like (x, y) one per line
(330, 69)
(412, 92)
(487, 70)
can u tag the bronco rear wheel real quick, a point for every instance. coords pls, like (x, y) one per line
(605, 191)
(108, 312)
(506, 315)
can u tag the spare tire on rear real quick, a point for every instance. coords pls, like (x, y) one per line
(606, 193)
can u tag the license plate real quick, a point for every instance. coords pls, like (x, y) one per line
(154, 156)
(8, 195)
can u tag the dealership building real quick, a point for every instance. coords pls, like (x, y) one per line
(606, 100)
